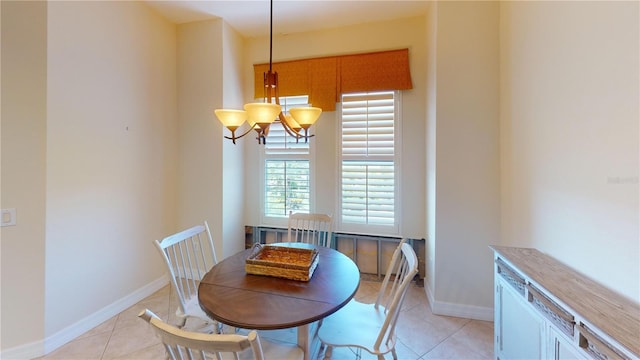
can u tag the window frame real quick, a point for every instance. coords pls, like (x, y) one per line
(358, 228)
(284, 156)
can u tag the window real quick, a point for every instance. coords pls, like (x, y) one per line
(286, 187)
(368, 174)
(287, 169)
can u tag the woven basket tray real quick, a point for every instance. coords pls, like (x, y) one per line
(281, 261)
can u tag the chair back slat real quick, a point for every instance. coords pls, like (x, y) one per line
(313, 229)
(188, 255)
(183, 345)
(401, 271)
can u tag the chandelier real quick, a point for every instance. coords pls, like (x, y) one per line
(261, 115)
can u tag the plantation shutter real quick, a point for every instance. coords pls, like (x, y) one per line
(367, 126)
(368, 154)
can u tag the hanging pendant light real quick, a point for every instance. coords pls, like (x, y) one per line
(261, 115)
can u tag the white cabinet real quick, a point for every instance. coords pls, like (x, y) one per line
(519, 330)
(545, 310)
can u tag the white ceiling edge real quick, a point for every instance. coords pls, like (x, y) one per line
(251, 17)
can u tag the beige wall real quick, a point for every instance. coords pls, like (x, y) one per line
(93, 124)
(111, 153)
(430, 136)
(232, 155)
(23, 170)
(199, 71)
(569, 135)
(464, 173)
(210, 167)
(567, 176)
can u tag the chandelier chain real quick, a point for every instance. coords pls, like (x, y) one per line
(271, 37)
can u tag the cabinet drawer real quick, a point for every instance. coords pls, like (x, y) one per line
(511, 276)
(552, 311)
(597, 347)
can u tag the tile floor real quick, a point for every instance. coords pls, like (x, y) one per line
(421, 335)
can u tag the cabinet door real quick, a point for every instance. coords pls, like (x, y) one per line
(519, 330)
(561, 348)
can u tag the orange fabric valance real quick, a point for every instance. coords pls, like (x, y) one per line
(325, 78)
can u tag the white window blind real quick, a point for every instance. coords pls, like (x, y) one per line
(287, 169)
(368, 194)
(368, 126)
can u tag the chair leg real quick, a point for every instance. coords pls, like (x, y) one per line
(327, 353)
(393, 352)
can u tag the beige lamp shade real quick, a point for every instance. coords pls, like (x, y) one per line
(305, 116)
(262, 113)
(230, 117)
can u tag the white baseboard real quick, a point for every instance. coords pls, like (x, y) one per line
(458, 310)
(51, 343)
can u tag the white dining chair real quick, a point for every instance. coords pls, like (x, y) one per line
(371, 327)
(188, 255)
(310, 228)
(181, 344)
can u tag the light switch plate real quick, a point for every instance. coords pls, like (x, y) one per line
(8, 217)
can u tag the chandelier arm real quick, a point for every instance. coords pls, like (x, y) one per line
(296, 134)
(262, 136)
(292, 132)
(306, 135)
(233, 136)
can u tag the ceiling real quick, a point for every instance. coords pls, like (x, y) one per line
(251, 17)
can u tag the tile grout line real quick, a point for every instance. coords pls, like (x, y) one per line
(113, 329)
(445, 339)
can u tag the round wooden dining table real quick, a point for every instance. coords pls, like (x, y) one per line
(231, 296)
